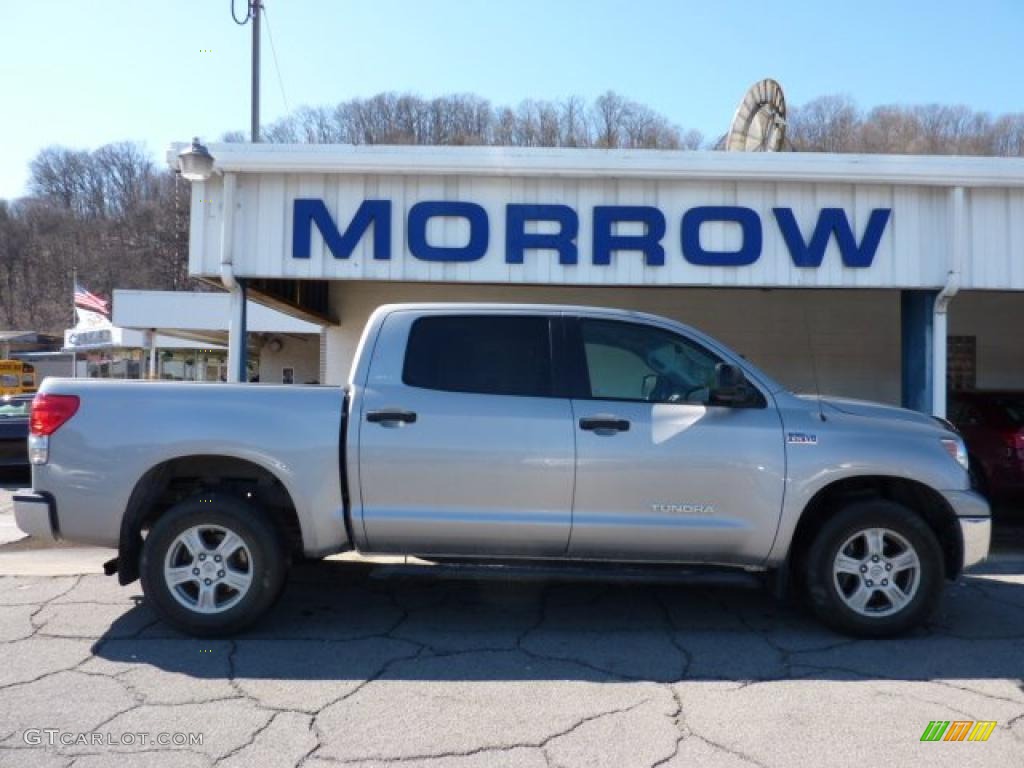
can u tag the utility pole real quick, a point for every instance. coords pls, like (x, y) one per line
(238, 370)
(254, 11)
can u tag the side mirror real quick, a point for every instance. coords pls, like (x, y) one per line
(730, 386)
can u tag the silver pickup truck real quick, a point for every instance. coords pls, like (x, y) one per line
(526, 433)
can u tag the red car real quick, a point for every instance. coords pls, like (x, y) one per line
(992, 425)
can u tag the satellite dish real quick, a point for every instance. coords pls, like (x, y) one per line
(759, 124)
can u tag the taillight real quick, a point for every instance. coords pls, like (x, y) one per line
(1014, 445)
(49, 412)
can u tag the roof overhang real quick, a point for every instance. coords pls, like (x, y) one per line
(651, 164)
(198, 316)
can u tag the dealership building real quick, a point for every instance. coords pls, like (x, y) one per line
(883, 277)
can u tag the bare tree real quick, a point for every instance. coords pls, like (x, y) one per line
(826, 124)
(889, 130)
(691, 140)
(574, 131)
(1008, 135)
(391, 118)
(607, 116)
(57, 174)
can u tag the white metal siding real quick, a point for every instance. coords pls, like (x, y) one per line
(914, 252)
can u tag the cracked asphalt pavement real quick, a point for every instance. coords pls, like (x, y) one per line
(381, 664)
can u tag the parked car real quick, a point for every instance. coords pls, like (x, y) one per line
(507, 432)
(14, 413)
(992, 424)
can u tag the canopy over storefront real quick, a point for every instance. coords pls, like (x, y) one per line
(330, 231)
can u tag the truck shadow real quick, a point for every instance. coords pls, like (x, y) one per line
(341, 623)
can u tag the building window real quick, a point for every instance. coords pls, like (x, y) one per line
(961, 363)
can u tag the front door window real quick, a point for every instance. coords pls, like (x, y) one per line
(626, 361)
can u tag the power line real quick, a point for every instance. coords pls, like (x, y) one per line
(248, 14)
(273, 52)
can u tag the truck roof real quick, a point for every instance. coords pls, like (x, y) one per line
(492, 306)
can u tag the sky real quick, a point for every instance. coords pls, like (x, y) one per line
(82, 73)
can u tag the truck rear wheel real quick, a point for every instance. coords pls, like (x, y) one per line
(875, 569)
(212, 565)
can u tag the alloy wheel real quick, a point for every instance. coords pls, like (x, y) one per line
(208, 568)
(876, 572)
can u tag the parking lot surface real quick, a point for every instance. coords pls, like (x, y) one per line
(382, 664)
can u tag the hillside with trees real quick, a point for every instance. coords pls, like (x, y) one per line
(122, 220)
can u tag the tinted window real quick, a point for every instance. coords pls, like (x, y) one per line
(626, 361)
(1011, 409)
(487, 354)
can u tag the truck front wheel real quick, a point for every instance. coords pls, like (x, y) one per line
(874, 569)
(212, 565)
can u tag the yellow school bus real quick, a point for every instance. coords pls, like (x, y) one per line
(17, 378)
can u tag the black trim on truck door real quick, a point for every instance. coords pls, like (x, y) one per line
(343, 467)
(562, 367)
(576, 382)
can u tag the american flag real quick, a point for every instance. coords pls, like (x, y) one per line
(86, 300)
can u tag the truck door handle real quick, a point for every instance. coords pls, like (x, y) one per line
(391, 415)
(604, 424)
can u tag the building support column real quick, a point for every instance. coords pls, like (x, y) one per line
(940, 355)
(237, 335)
(958, 256)
(152, 356)
(237, 330)
(917, 349)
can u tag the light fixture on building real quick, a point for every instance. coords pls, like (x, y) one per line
(275, 345)
(196, 162)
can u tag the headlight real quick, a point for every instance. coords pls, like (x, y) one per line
(955, 448)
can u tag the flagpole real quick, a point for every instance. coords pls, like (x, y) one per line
(74, 320)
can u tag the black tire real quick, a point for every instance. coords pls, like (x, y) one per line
(266, 564)
(825, 588)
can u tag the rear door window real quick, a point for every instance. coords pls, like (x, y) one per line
(483, 354)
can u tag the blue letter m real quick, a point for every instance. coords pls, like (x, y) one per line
(310, 211)
(832, 221)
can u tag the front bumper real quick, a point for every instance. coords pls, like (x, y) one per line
(975, 521)
(36, 515)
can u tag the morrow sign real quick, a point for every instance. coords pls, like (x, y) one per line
(561, 224)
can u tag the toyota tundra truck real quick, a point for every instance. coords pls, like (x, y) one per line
(510, 434)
